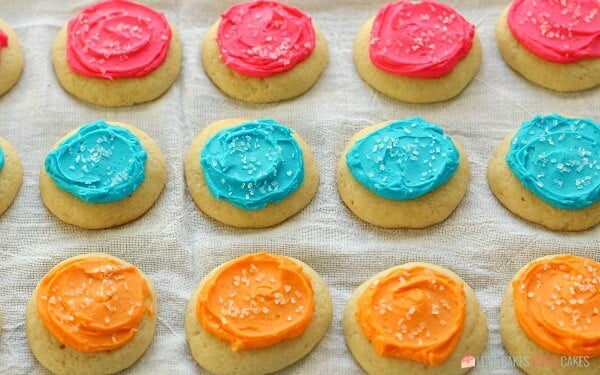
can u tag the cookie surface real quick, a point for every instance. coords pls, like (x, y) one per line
(73, 210)
(519, 345)
(11, 58)
(11, 175)
(522, 202)
(567, 77)
(415, 89)
(63, 359)
(216, 355)
(273, 88)
(125, 88)
(230, 214)
(473, 336)
(420, 212)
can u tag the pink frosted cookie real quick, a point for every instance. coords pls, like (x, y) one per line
(117, 53)
(264, 51)
(11, 58)
(555, 44)
(417, 52)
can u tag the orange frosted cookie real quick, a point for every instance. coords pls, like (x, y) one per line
(551, 310)
(415, 318)
(92, 314)
(257, 314)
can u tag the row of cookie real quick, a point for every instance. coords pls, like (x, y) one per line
(262, 312)
(119, 53)
(255, 174)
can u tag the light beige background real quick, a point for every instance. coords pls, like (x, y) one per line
(176, 245)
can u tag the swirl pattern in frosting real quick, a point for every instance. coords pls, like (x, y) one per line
(559, 31)
(253, 164)
(424, 40)
(100, 163)
(117, 39)
(403, 160)
(261, 38)
(558, 159)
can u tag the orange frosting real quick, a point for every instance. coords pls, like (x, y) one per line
(414, 313)
(256, 301)
(557, 304)
(93, 304)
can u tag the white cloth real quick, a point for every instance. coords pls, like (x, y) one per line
(176, 245)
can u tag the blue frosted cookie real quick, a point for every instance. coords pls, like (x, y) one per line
(402, 174)
(102, 175)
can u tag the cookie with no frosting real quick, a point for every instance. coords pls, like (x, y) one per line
(415, 318)
(91, 314)
(421, 52)
(250, 174)
(257, 314)
(547, 172)
(117, 53)
(554, 44)
(402, 174)
(11, 174)
(11, 58)
(264, 51)
(549, 316)
(102, 175)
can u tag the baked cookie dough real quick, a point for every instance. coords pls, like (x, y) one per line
(416, 318)
(547, 172)
(287, 315)
(102, 175)
(430, 57)
(11, 58)
(11, 174)
(131, 57)
(553, 43)
(549, 315)
(248, 55)
(402, 174)
(91, 314)
(250, 174)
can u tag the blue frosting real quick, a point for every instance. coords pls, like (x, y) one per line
(253, 164)
(403, 160)
(100, 163)
(558, 159)
(1, 158)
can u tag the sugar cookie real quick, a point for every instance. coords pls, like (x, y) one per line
(416, 318)
(555, 44)
(102, 175)
(264, 51)
(550, 313)
(11, 174)
(257, 314)
(250, 174)
(92, 314)
(117, 53)
(11, 58)
(547, 172)
(420, 52)
(402, 174)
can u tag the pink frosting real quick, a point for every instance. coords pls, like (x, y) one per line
(424, 40)
(560, 31)
(261, 38)
(3, 39)
(117, 39)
